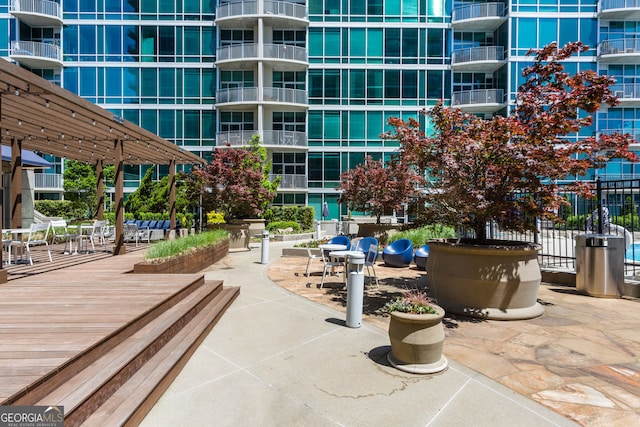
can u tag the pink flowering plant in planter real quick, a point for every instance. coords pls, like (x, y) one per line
(412, 301)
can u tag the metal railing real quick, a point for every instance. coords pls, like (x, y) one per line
(36, 49)
(620, 198)
(284, 138)
(478, 10)
(485, 53)
(286, 95)
(478, 96)
(237, 51)
(618, 4)
(626, 90)
(290, 181)
(237, 94)
(619, 46)
(284, 8)
(42, 7)
(48, 181)
(270, 51)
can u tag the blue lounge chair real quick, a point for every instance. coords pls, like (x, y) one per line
(421, 256)
(398, 253)
(341, 240)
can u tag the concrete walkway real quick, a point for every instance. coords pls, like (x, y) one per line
(278, 359)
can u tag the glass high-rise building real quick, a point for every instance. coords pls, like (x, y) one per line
(316, 79)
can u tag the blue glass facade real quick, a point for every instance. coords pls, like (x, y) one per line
(317, 79)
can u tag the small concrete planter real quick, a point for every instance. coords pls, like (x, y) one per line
(239, 234)
(417, 341)
(191, 262)
(499, 280)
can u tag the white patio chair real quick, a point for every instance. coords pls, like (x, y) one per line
(38, 234)
(311, 256)
(330, 264)
(95, 237)
(370, 261)
(61, 233)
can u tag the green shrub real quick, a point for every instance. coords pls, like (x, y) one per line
(61, 209)
(628, 221)
(281, 225)
(419, 236)
(290, 213)
(574, 222)
(306, 216)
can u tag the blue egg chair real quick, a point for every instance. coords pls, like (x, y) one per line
(364, 243)
(341, 240)
(398, 253)
(421, 256)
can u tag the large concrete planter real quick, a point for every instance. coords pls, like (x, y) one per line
(499, 280)
(417, 341)
(239, 234)
(191, 262)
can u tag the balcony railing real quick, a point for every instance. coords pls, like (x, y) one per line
(475, 54)
(287, 8)
(285, 138)
(282, 8)
(237, 51)
(238, 94)
(619, 46)
(35, 51)
(271, 51)
(41, 7)
(606, 5)
(236, 8)
(48, 181)
(478, 10)
(290, 181)
(269, 138)
(238, 138)
(480, 96)
(270, 94)
(285, 52)
(626, 91)
(285, 95)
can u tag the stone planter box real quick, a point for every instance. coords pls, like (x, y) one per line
(186, 263)
(239, 236)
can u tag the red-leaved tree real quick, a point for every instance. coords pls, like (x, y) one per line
(235, 182)
(373, 188)
(505, 168)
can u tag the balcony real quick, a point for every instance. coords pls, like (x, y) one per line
(270, 139)
(283, 139)
(237, 96)
(242, 13)
(290, 181)
(269, 95)
(481, 59)
(619, 9)
(37, 13)
(48, 182)
(240, 56)
(628, 94)
(478, 17)
(479, 101)
(277, 95)
(619, 51)
(36, 55)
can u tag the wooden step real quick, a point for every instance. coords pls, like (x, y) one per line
(49, 383)
(131, 402)
(86, 391)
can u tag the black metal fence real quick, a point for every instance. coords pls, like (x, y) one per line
(616, 202)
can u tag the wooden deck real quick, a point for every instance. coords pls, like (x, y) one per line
(76, 330)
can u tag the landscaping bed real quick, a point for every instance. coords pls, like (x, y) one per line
(190, 262)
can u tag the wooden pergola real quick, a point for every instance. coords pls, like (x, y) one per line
(40, 116)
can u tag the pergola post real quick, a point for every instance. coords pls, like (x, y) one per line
(16, 183)
(100, 190)
(172, 195)
(3, 272)
(119, 247)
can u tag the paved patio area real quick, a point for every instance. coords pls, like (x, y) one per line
(581, 358)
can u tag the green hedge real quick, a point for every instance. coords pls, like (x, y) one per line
(280, 225)
(303, 215)
(419, 236)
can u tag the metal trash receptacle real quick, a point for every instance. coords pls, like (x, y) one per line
(600, 265)
(355, 289)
